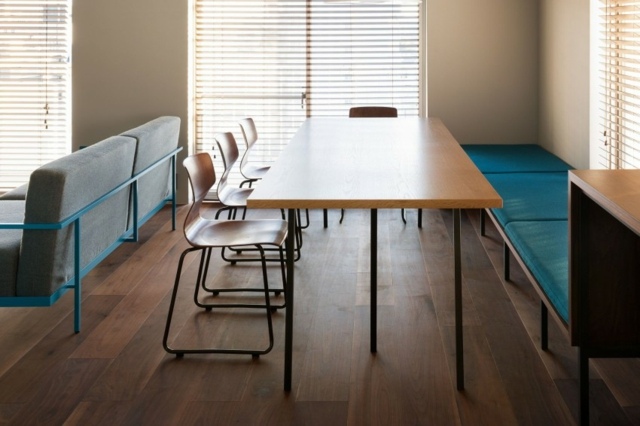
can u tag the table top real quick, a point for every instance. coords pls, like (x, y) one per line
(369, 163)
(617, 191)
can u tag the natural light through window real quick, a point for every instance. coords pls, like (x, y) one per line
(619, 89)
(280, 62)
(35, 70)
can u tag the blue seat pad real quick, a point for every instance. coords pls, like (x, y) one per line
(531, 196)
(514, 159)
(544, 248)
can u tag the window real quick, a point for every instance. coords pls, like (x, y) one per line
(280, 61)
(35, 45)
(619, 117)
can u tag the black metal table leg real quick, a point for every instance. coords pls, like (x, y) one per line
(374, 279)
(458, 300)
(288, 339)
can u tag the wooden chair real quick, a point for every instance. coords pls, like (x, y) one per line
(233, 197)
(230, 196)
(250, 172)
(205, 234)
(373, 111)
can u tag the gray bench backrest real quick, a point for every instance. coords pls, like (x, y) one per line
(59, 189)
(156, 139)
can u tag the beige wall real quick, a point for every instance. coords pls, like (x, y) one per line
(129, 66)
(564, 79)
(499, 71)
(483, 69)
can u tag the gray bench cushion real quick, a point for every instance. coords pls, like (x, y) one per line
(19, 193)
(11, 211)
(156, 139)
(59, 189)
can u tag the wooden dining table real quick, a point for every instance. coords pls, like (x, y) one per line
(373, 163)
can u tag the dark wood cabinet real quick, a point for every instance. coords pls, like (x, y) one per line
(604, 267)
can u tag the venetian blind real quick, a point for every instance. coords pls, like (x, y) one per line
(280, 61)
(620, 84)
(35, 45)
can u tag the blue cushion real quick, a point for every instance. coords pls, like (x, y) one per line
(544, 248)
(514, 159)
(531, 196)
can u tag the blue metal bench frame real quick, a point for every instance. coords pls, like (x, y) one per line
(130, 235)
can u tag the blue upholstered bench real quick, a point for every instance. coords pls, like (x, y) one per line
(543, 247)
(533, 221)
(514, 159)
(530, 196)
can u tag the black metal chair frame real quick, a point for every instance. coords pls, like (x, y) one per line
(202, 273)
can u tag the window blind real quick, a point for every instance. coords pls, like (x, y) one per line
(280, 61)
(620, 84)
(35, 45)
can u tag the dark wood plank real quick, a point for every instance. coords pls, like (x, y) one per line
(116, 372)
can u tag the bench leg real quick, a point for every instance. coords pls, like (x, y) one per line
(507, 266)
(583, 366)
(544, 326)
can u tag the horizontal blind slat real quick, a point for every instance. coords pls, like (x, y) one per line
(259, 58)
(619, 83)
(35, 79)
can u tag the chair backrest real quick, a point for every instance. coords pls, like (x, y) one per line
(202, 177)
(249, 132)
(373, 111)
(229, 151)
(250, 136)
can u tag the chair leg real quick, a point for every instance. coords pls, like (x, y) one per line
(220, 210)
(420, 218)
(507, 265)
(306, 225)
(341, 215)
(403, 218)
(218, 291)
(544, 326)
(324, 216)
(267, 306)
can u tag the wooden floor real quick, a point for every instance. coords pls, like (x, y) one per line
(115, 371)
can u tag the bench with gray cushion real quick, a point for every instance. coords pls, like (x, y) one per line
(155, 140)
(93, 190)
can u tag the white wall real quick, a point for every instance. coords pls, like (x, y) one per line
(483, 69)
(129, 66)
(564, 79)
